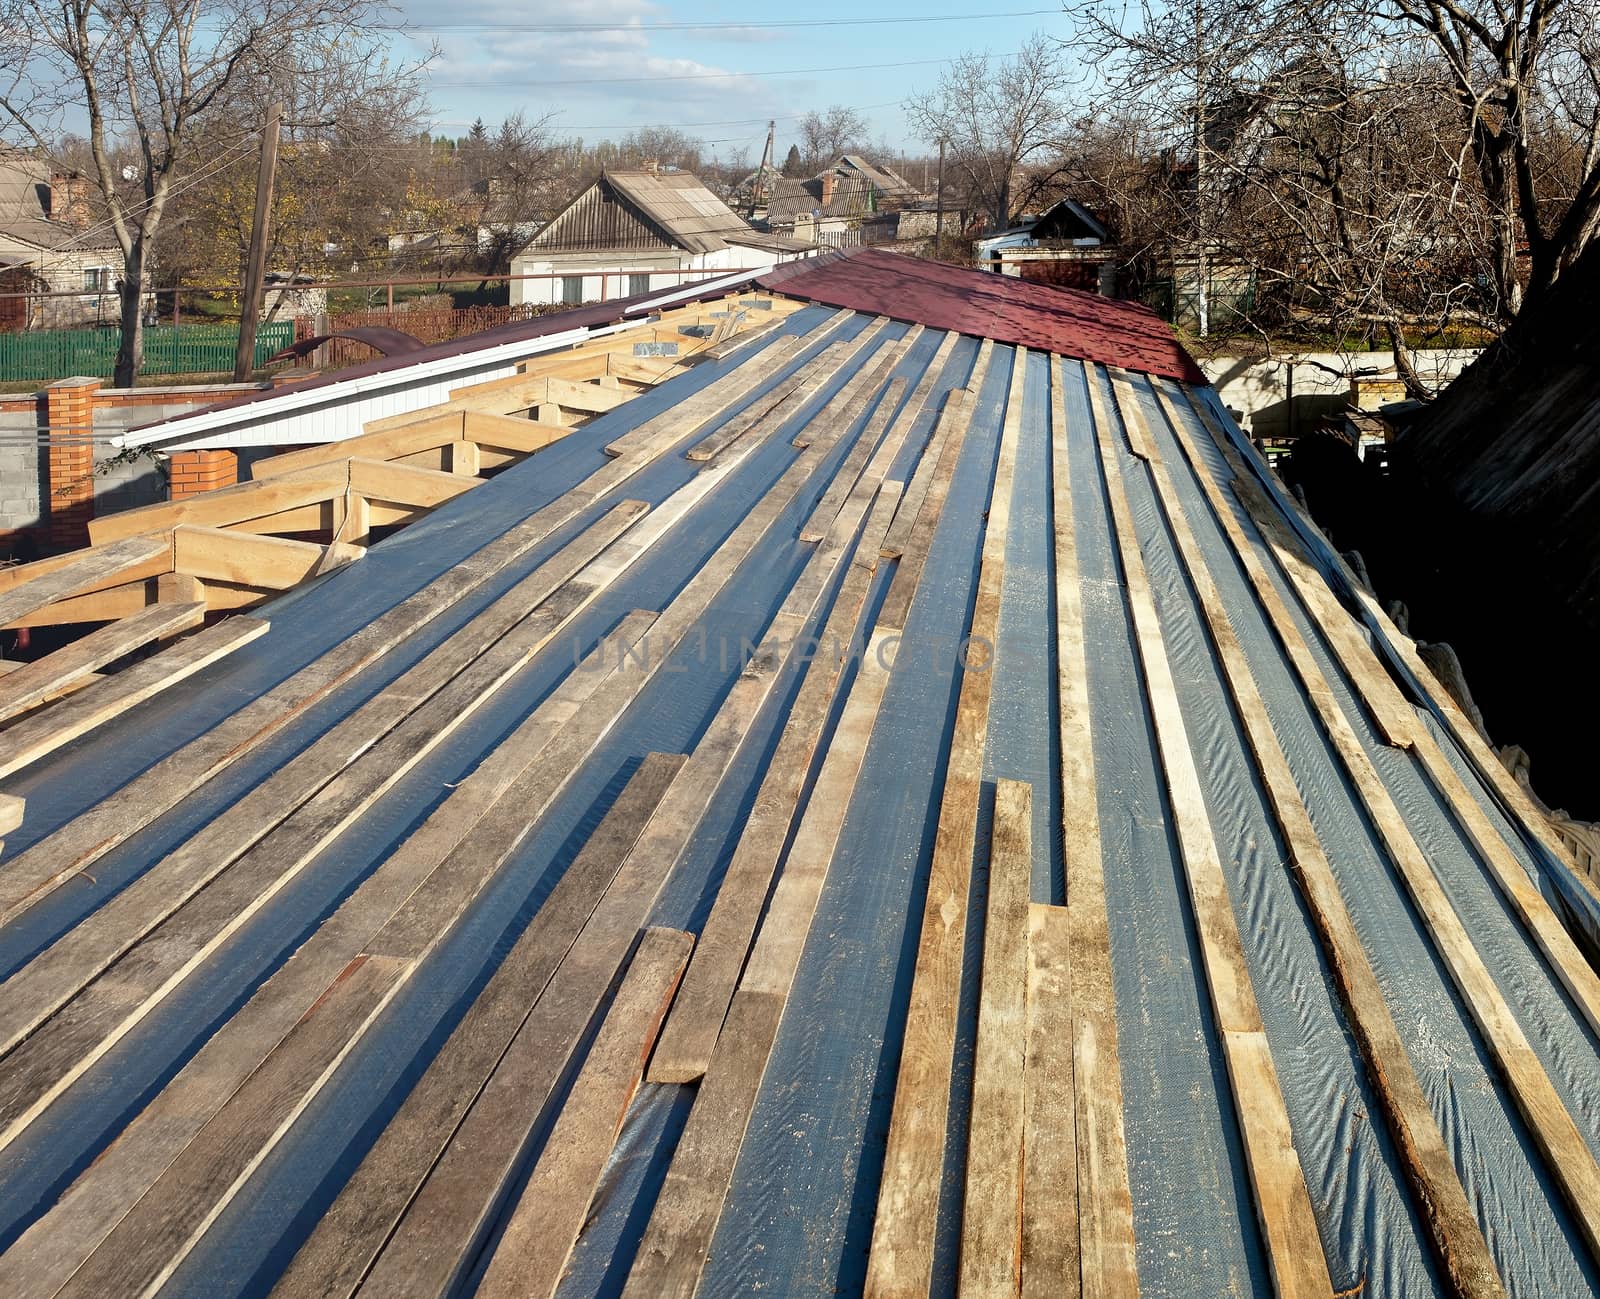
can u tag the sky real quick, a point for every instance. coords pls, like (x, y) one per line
(695, 67)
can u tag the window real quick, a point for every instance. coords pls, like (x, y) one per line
(571, 290)
(96, 279)
(638, 284)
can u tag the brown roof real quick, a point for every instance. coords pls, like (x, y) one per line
(25, 207)
(1037, 316)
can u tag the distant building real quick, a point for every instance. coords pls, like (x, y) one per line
(849, 204)
(49, 244)
(1064, 245)
(630, 232)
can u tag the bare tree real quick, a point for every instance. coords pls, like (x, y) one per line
(144, 77)
(1525, 81)
(824, 136)
(994, 116)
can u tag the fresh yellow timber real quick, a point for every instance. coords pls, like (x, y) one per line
(266, 563)
(901, 1261)
(991, 1218)
(1283, 1204)
(57, 673)
(424, 433)
(88, 568)
(531, 1256)
(33, 737)
(11, 810)
(228, 506)
(1049, 1245)
(539, 390)
(1447, 1214)
(382, 480)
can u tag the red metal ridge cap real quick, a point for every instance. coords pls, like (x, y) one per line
(1019, 312)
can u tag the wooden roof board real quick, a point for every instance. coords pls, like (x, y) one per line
(300, 1054)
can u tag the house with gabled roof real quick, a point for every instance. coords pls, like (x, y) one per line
(48, 244)
(631, 232)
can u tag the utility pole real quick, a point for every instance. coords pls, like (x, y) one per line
(938, 215)
(255, 271)
(759, 190)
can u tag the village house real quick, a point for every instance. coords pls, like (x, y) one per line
(48, 244)
(1065, 244)
(849, 204)
(630, 232)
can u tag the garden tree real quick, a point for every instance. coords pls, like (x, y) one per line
(824, 136)
(995, 115)
(1523, 79)
(792, 166)
(662, 145)
(346, 162)
(517, 167)
(141, 78)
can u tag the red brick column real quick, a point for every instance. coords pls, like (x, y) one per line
(69, 414)
(190, 472)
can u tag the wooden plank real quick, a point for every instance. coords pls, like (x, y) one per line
(15, 575)
(1283, 1204)
(771, 408)
(901, 1261)
(11, 810)
(36, 736)
(1555, 1134)
(1109, 1268)
(1383, 698)
(381, 480)
(224, 874)
(100, 828)
(108, 604)
(687, 417)
(1446, 1213)
(684, 1051)
(267, 563)
(95, 566)
(511, 431)
(226, 506)
(759, 333)
(146, 1247)
(415, 876)
(991, 1219)
(422, 432)
(1050, 1255)
(452, 1207)
(58, 672)
(460, 1192)
(539, 1234)
(826, 510)
(915, 536)
(1133, 425)
(339, 1252)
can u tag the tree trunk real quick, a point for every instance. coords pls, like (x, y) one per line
(130, 350)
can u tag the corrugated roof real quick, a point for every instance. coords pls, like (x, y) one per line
(852, 196)
(681, 204)
(886, 180)
(1083, 325)
(25, 207)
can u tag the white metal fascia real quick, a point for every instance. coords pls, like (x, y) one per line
(292, 399)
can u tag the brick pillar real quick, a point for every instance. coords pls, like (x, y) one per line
(69, 414)
(191, 472)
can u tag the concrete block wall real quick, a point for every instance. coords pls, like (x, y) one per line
(59, 467)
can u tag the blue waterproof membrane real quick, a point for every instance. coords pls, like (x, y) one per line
(799, 1212)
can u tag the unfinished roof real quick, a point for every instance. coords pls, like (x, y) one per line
(938, 795)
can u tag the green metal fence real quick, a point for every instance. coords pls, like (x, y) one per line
(48, 354)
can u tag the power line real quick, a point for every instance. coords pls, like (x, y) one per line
(786, 25)
(686, 76)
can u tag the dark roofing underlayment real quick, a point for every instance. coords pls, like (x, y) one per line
(266, 1092)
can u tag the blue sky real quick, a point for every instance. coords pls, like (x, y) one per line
(495, 60)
